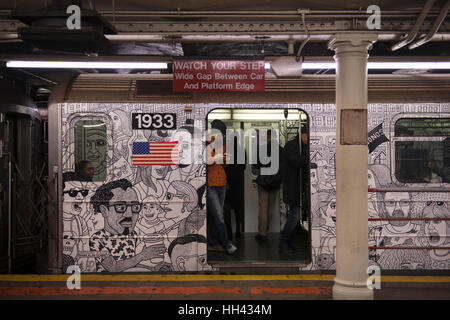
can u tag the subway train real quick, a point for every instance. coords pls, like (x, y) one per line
(23, 193)
(132, 204)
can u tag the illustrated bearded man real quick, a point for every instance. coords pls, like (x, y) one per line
(117, 243)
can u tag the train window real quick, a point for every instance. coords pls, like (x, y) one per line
(422, 150)
(90, 150)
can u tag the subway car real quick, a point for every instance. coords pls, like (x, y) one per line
(23, 194)
(136, 212)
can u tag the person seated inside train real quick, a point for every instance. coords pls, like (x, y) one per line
(84, 170)
(432, 172)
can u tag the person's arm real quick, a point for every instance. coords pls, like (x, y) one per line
(111, 265)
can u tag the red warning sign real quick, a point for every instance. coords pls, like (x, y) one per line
(218, 75)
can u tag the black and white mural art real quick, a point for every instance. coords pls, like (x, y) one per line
(152, 218)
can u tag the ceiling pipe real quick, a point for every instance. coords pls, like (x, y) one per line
(415, 29)
(299, 53)
(437, 23)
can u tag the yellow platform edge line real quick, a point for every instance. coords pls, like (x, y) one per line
(188, 277)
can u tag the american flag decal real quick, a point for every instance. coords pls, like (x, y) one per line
(154, 153)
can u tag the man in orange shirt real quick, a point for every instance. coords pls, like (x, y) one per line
(217, 182)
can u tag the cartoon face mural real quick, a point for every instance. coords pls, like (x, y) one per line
(121, 212)
(183, 254)
(398, 205)
(150, 209)
(96, 149)
(75, 196)
(437, 231)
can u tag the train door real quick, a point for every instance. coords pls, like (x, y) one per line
(21, 214)
(254, 123)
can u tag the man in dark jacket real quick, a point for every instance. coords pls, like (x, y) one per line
(294, 162)
(268, 186)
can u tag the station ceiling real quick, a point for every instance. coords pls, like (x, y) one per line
(160, 30)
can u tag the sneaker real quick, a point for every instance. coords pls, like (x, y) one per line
(259, 237)
(216, 248)
(231, 248)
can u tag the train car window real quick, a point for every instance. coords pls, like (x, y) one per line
(422, 150)
(90, 150)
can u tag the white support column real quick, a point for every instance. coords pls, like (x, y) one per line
(351, 166)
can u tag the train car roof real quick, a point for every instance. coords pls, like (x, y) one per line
(15, 100)
(306, 89)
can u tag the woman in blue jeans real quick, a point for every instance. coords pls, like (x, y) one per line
(217, 182)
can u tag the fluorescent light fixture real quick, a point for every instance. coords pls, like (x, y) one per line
(255, 114)
(378, 65)
(85, 65)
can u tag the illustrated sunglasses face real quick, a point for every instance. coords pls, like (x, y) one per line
(74, 192)
(121, 207)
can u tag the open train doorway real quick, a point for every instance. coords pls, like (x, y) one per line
(255, 213)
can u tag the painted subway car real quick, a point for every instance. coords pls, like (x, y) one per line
(135, 213)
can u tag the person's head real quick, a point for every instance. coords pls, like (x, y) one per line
(407, 259)
(118, 203)
(185, 253)
(75, 194)
(379, 176)
(437, 232)
(328, 210)
(180, 196)
(85, 170)
(121, 125)
(304, 138)
(396, 205)
(96, 146)
(432, 164)
(150, 208)
(189, 140)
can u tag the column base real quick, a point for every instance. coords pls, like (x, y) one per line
(346, 291)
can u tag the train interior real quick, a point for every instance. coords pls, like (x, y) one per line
(242, 227)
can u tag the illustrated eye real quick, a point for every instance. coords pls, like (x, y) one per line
(440, 203)
(429, 203)
(169, 196)
(121, 207)
(100, 143)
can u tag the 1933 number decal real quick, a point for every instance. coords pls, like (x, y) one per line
(154, 121)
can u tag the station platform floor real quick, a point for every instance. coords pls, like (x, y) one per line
(212, 287)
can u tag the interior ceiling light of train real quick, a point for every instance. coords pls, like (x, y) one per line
(139, 30)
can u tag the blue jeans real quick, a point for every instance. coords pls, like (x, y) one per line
(291, 222)
(217, 232)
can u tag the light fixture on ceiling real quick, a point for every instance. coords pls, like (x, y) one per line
(85, 64)
(378, 65)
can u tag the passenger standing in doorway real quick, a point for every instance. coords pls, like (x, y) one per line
(234, 198)
(217, 181)
(294, 162)
(268, 186)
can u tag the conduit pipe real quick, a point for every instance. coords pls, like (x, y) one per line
(437, 23)
(415, 29)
